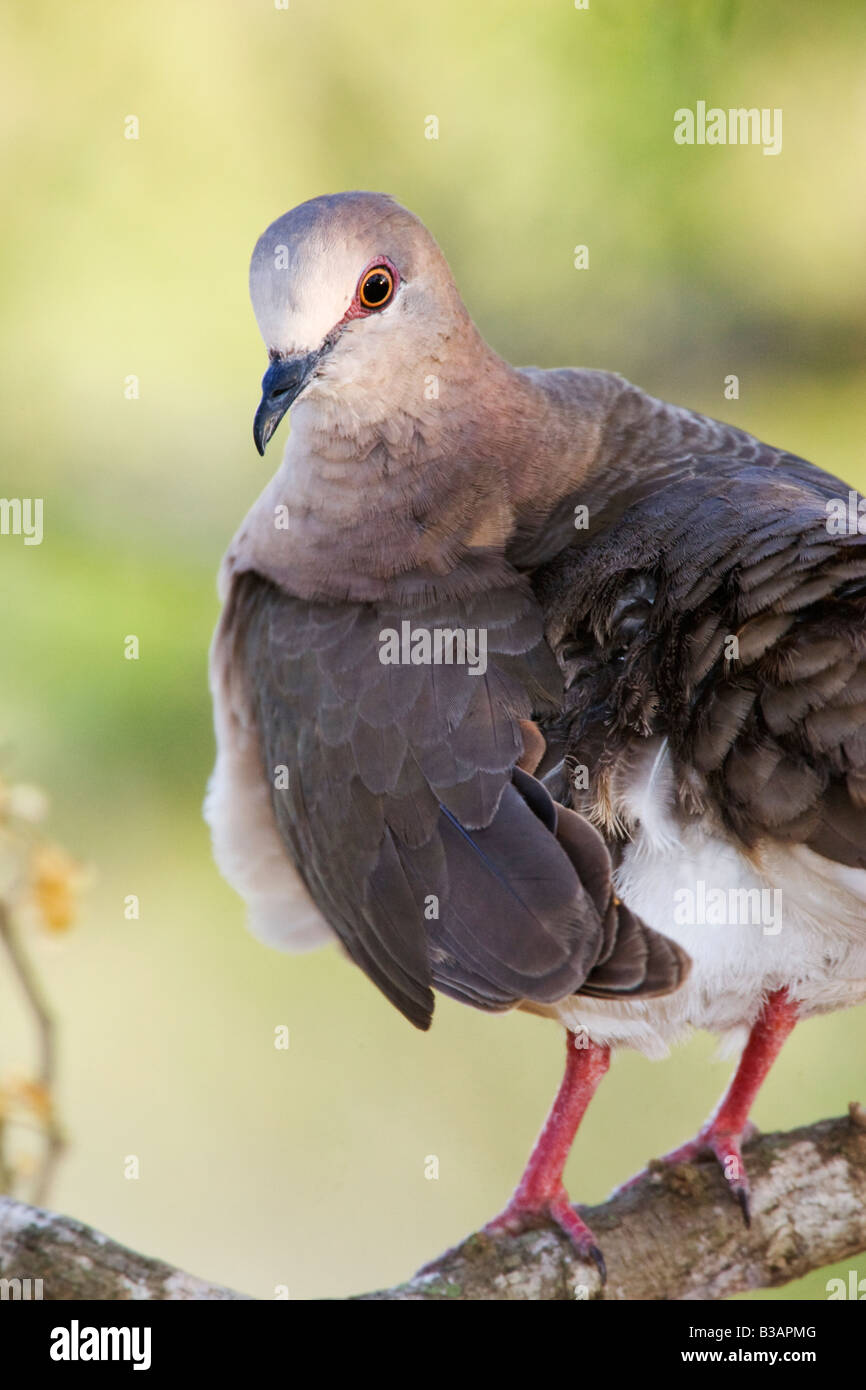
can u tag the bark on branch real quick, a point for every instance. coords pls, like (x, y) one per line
(676, 1235)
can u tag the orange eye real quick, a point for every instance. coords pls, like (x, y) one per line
(376, 288)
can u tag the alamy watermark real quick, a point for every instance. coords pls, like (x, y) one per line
(739, 125)
(434, 646)
(20, 1289)
(22, 516)
(77, 1343)
(846, 518)
(729, 907)
(854, 1289)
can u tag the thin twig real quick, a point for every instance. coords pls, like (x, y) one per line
(47, 1070)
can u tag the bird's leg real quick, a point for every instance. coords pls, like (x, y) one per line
(729, 1125)
(540, 1195)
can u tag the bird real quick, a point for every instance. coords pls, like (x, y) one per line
(535, 691)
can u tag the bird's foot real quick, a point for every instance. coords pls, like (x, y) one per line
(528, 1214)
(724, 1146)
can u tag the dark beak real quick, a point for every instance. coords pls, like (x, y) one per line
(282, 383)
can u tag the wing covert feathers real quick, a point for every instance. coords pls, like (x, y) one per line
(396, 790)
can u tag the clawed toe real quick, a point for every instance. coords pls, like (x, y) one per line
(522, 1215)
(726, 1148)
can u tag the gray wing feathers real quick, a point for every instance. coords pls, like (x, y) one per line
(436, 860)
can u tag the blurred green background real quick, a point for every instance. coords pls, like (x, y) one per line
(306, 1168)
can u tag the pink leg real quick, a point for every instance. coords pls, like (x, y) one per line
(729, 1125)
(540, 1195)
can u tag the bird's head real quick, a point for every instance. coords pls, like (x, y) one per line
(356, 306)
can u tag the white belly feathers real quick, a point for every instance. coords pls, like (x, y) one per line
(779, 916)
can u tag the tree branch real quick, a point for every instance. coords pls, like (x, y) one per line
(75, 1262)
(676, 1234)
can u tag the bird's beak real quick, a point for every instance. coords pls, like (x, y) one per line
(282, 383)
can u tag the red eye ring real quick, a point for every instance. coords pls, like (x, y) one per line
(376, 287)
(362, 304)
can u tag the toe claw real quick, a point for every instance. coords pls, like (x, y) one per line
(522, 1214)
(725, 1147)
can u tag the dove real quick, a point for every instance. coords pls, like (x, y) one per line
(533, 690)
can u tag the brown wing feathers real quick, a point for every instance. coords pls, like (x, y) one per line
(438, 861)
(770, 730)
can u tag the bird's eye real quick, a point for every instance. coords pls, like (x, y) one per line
(376, 288)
